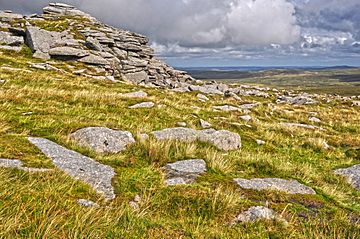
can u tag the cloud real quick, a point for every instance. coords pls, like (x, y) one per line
(191, 23)
(230, 29)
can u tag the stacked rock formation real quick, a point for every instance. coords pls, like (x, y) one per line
(117, 53)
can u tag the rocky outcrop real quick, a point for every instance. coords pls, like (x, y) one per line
(123, 55)
(103, 140)
(222, 139)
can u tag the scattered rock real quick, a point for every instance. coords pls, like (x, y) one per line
(184, 172)
(17, 164)
(314, 119)
(260, 142)
(248, 106)
(222, 139)
(246, 118)
(202, 97)
(204, 124)
(181, 124)
(137, 94)
(88, 203)
(305, 126)
(254, 214)
(135, 202)
(352, 174)
(356, 103)
(303, 99)
(227, 108)
(287, 186)
(103, 140)
(80, 167)
(142, 105)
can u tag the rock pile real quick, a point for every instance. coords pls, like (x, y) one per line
(122, 54)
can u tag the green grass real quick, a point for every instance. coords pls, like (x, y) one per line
(44, 205)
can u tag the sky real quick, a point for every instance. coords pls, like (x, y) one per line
(233, 32)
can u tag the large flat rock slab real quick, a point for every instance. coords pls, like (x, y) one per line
(222, 139)
(352, 174)
(78, 166)
(103, 140)
(287, 186)
(184, 172)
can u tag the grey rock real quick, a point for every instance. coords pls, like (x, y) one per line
(67, 53)
(93, 60)
(246, 117)
(103, 140)
(11, 48)
(142, 105)
(254, 214)
(137, 94)
(297, 100)
(202, 97)
(226, 108)
(17, 164)
(248, 106)
(9, 15)
(356, 103)
(305, 126)
(184, 172)
(287, 186)
(260, 142)
(205, 89)
(40, 41)
(11, 40)
(204, 124)
(93, 44)
(88, 203)
(222, 139)
(80, 167)
(352, 174)
(314, 119)
(137, 77)
(181, 124)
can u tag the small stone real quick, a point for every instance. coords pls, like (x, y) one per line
(248, 106)
(202, 97)
(137, 94)
(227, 108)
(143, 137)
(142, 105)
(204, 124)
(181, 124)
(260, 142)
(254, 214)
(314, 119)
(246, 118)
(88, 203)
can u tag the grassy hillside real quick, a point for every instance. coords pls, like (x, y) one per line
(328, 81)
(52, 104)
